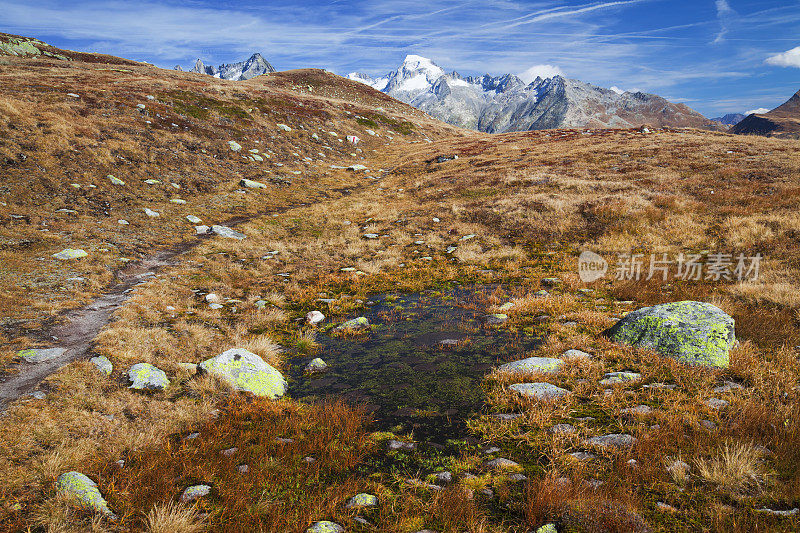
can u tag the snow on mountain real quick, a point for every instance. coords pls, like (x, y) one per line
(506, 103)
(243, 70)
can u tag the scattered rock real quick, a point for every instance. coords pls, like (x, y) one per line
(284, 127)
(251, 184)
(577, 354)
(547, 528)
(201, 230)
(314, 317)
(503, 464)
(361, 500)
(123, 222)
(103, 364)
(716, 403)
(145, 376)
(395, 445)
(193, 219)
(229, 452)
(234, 146)
(495, 319)
(790, 512)
(539, 391)
(506, 417)
(228, 233)
(70, 253)
(611, 441)
(615, 378)
(547, 365)
(39, 355)
(692, 332)
(150, 213)
(246, 371)
(325, 526)
(371, 236)
(243, 469)
(563, 429)
(84, 490)
(195, 492)
(443, 478)
(357, 324)
(727, 386)
(582, 456)
(356, 168)
(316, 366)
(115, 181)
(639, 410)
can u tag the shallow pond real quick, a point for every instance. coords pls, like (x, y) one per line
(420, 367)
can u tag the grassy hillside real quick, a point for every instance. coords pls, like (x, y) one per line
(501, 220)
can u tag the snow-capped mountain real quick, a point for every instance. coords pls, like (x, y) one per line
(731, 119)
(499, 104)
(243, 70)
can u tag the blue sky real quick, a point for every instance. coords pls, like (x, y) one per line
(715, 55)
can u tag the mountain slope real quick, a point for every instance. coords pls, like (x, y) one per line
(731, 119)
(783, 120)
(505, 103)
(243, 70)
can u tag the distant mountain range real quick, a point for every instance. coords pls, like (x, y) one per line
(731, 119)
(783, 120)
(497, 104)
(244, 70)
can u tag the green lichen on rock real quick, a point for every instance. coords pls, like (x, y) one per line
(696, 333)
(247, 372)
(357, 324)
(362, 500)
(325, 526)
(145, 376)
(39, 355)
(103, 364)
(533, 364)
(70, 253)
(83, 490)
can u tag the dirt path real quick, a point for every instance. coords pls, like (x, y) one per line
(79, 327)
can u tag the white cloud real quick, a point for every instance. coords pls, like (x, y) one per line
(726, 15)
(759, 111)
(543, 71)
(789, 58)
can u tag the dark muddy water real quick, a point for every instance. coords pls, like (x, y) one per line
(420, 367)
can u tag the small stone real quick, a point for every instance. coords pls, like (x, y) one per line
(539, 391)
(357, 324)
(193, 219)
(228, 233)
(201, 230)
(115, 181)
(314, 317)
(177, 201)
(551, 282)
(639, 410)
(229, 451)
(233, 145)
(195, 492)
(577, 354)
(495, 319)
(361, 500)
(150, 213)
(84, 490)
(562, 429)
(611, 441)
(506, 417)
(103, 364)
(443, 478)
(145, 376)
(284, 127)
(547, 528)
(530, 365)
(491, 449)
(324, 526)
(582, 456)
(708, 424)
(123, 222)
(315, 366)
(503, 464)
(397, 445)
(70, 253)
(661, 506)
(243, 469)
(371, 236)
(716, 403)
(251, 184)
(727, 386)
(616, 378)
(40, 355)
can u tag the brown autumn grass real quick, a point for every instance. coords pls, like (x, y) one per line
(532, 201)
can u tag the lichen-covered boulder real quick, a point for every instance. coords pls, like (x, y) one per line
(357, 324)
(533, 364)
(195, 492)
(696, 333)
(362, 500)
(84, 490)
(325, 526)
(228, 233)
(252, 184)
(145, 376)
(103, 364)
(246, 371)
(70, 253)
(538, 391)
(316, 366)
(39, 355)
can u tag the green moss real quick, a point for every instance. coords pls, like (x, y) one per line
(201, 107)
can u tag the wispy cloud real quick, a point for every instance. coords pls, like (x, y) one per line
(726, 16)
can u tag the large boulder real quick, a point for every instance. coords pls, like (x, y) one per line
(696, 333)
(84, 490)
(246, 371)
(40, 355)
(145, 376)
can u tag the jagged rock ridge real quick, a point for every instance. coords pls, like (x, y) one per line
(505, 103)
(243, 70)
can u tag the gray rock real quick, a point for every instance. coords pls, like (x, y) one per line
(201, 230)
(503, 464)
(727, 386)
(70, 253)
(396, 445)
(616, 378)
(84, 490)
(495, 319)
(582, 456)
(195, 492)
(40, 355)
(145, 376)
(442, 478)
(547, 365)
(316, 366)
(325, 526)
(362, 500)
(539, 391)
(103, 364)
(247, 372)
(692, 332)
(228, 233)
(611, 441)
(193, 219)
(563, 429)
(639, 410)
(357, 324)
(233, 145)
(577, 354)
(506, 417)
(716, 403)
(314, 317)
